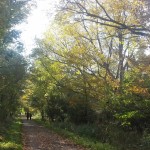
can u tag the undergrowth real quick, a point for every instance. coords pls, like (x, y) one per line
(77, 135)
(10, 135)
(103, 137)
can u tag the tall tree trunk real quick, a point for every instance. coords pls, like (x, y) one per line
(121, 59)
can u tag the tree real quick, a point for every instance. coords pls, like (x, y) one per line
(13, 69)
(12, 64)
(100, 12)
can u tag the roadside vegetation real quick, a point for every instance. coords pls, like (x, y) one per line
(10, 135)
(81, 135)
(102, 137)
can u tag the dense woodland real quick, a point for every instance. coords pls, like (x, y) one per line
(92, 67)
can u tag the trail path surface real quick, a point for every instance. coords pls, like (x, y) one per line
(36, 137)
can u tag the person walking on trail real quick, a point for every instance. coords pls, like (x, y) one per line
(30, 115)
(27, 115)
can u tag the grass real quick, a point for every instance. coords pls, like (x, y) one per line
(10, 135)
(101, 137)
(79, 137)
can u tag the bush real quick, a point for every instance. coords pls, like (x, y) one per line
(56, 108)
(145, 142)
(10, 136)
(81, 113)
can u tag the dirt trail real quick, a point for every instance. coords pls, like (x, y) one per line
(36, 137)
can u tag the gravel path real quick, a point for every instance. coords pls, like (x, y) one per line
(36, 137)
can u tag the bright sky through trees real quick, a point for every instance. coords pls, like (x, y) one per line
(36, 23)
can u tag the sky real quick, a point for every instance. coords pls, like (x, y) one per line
(37, 23)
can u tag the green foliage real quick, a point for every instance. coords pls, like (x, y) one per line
(132, 112)
(11, 13)
(118, 138)
(13, 70)
(60, 109)
(145, 142)
(81, 112)
(10, 136)
(12, 64)
(96, 137)
(56, 108)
